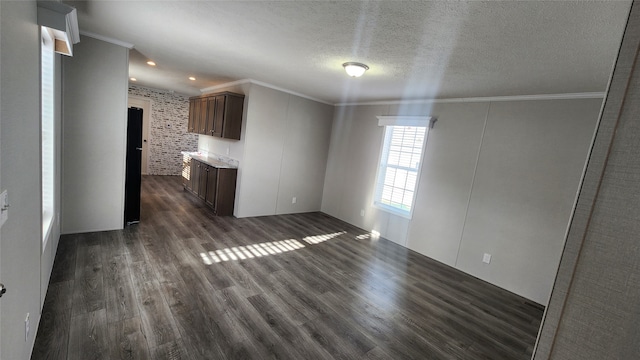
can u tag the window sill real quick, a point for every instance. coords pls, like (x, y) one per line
(391, 210)
(47, 225)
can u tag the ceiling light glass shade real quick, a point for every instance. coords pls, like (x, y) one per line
(355, 69)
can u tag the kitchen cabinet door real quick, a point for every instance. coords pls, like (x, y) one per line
(191, 125)
(212, 182)
(195, 175)
(225, 191)
(202, 116)
(218, 119)
(211, 116)
(231, 114)
(202, 186)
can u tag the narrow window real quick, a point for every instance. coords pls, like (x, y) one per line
(399, 166)
(47, 131)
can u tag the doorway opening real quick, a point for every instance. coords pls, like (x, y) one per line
(145, 105)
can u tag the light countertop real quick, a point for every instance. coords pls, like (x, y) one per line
(209, 160)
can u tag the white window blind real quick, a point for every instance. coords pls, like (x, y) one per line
(47, 77)
(400, 159)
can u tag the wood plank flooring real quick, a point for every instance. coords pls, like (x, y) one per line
(184, 284)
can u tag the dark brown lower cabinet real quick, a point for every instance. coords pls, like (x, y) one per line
(216, 186)
(195, 176)
(202, 186)
(212, 182)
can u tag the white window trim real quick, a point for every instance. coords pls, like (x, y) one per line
(386, 121)
(47, 150)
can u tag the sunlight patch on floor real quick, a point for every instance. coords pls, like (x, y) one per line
(250, 251)
(372, 235)
(316, 239)
(263, 249)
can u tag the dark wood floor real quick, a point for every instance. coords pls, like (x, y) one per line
(184, 284)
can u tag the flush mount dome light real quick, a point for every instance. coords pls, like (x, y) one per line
(355, 69)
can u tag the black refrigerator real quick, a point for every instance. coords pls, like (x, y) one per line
(133, 175)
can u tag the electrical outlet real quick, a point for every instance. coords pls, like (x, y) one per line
(362, 212)
(26, 328)
(486, 258)
(228, 150)
(294, 200)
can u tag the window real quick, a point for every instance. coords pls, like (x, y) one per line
(400, 159)
(47, 145)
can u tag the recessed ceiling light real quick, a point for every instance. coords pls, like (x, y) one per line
(151, 63)
(133, 79)
(192, 78)
(355, 69)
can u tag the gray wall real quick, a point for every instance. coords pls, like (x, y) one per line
(25, 266)
(286, 141)
(497, 177)
(94, 140)
(593, 312)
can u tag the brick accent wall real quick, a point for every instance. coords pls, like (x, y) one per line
(168, 134)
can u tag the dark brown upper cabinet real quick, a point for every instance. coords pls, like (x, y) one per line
(191, 126)
(217, 115)
(202, 117)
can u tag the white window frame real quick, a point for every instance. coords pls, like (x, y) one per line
(47, 131)
(388, 122)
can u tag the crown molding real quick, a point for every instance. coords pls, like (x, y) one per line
(567, 96)
(264, 84)
(564, 96)
(225, 85)
(107, 39)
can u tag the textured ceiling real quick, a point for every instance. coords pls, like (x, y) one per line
(416, 50)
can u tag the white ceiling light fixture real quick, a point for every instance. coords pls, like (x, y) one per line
(355, 69)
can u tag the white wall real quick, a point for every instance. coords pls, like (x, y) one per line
(94, 140)
(286, 141)
(497, 177)
(304, 155)
(20, 249)
(264, 135)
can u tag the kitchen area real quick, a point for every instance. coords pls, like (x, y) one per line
(242, 149)
(208, 176)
